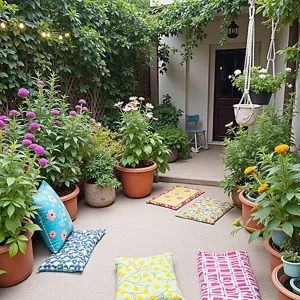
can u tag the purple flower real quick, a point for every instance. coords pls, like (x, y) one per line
(33, 146)
(23, 93)
(34, 126)
(77, 107)
(92, 120)
(57, 122)
(55, 112)
(82, 101)
(26, 142)
(41, 82)
(85, 109)
(2, 124)
(29, 136)
(73, 113)
(43, 162)
(26, 167)
(30, 115)
(13, 112)
(4, 118)
(39, 150)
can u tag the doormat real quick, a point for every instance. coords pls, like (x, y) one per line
(205, 210)
(175, 197)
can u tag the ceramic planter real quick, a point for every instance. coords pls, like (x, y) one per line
(281, 281)
(99, 197)
(246, 114)
(235, 196)
(293, 285)
(274, 255)
(70, 202)
(173, 156)
(249, 197)
(278, 236)
(247, 211)
(260, 99)
(137, 182)
(290, 268)
(19, 267)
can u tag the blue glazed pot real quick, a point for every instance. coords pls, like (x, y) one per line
(278, 235)
(292, 284)
(291, 269)
(249, 197)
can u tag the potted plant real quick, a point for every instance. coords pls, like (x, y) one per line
(144, 150)
(291, 263)
(66, 134)
(262, 84)
(100, 184)
(175, 139)
(20, 166)
(295, 285)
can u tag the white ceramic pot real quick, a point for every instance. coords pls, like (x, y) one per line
(246, 114)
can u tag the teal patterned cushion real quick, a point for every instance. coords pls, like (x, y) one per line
(75, 253)
(53, 218)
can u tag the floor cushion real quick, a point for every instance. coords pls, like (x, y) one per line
(53, 218)
(75, 253)
(226, 276)
(147, 278)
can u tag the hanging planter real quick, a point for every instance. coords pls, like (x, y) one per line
(261, 98)
(246, 114)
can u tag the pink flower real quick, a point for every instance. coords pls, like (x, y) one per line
(52, 234)
(78, 107)
(57, 122)
(39, 150)
(4, 118)
(30, 115)
(2, 124)
(26, 142)
(85, 109)
(82, 101)
(55, 112)
(41, 82)
(63, 235)
(13, 112)
(34, 126)
(33, 146)
(51, 215)
(23, 93)
(73, 113)
(43, 162)
(29, 136)
(92, 120)
(26, 167)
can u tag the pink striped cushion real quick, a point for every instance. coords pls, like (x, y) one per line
(226, 276)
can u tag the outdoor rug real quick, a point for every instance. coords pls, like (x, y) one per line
(205, 210)
(226, 276)
(175, 197)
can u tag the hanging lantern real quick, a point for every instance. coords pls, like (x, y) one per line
(233, 30)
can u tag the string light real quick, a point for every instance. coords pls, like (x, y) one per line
(21, 25)
(2, 25)
(43, 34)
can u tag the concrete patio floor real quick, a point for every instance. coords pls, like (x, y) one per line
(204, 168)
(135, 228)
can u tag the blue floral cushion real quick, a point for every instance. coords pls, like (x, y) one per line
(52, 217)
(75, 253)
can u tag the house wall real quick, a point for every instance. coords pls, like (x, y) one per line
(192, 85)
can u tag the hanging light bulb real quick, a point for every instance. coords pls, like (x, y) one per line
(21, 25)
(67, 35)
(2, 25)
(48, 35)
(60, 37)
(43, 34)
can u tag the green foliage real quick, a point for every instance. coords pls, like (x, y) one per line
(105, 139)
(166, 114)
(100, 169)
(261, 81)
(173, 137)
(291, 256)
(144, 4)
(2, 272)
(142, 145)
(17, 187)
(68, 142)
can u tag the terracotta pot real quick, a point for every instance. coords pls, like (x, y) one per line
(279, 280)
(20, 266)
(70, 202)
(173, 156)
(99, 197)
(274, 255)
(247, 211)
(137, 182)
(235, 196)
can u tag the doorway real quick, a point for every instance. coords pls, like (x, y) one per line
(225, 95)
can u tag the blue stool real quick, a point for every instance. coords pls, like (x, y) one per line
(197, 133)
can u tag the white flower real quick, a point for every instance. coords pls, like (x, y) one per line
(229, 124)
(229, 77)
(127, 108)
(149, 115)
(141, 98)
(100, 124)
(289, 70)
(263, 71)
(133, 98)
(237, 72)
(135, 108)
(119, 104)
(149, 105)
(262, 76)
(290, 86)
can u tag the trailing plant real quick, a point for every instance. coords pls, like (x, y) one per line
(261, 81)
(100, 169)
(142, 145)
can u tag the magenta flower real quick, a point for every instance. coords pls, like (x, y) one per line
(92, 120)
(73, 113)
(26, 167)
(82, 101)
(41, 82)
(85, 109)
(26, 142)
(4, 118)
(57, 122)
(33, 146)
(43, 162)
(29, 136)
(55, 112)
(2, 124)
(77, 107)
(34, 126)
(23, 93)
(30, 115)
(39, 150)
(13, 112)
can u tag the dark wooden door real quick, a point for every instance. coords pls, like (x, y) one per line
(227, 61)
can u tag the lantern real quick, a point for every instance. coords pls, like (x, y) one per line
(233, 30)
